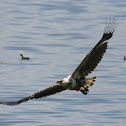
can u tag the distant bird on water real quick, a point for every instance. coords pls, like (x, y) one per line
(77, 80)
(24, 58)
(124, 58)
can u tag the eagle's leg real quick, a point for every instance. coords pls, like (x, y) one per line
(84, 90)
(87, 83)
(82, 86)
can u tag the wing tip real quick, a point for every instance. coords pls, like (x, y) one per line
(110, 27)
(9, 103)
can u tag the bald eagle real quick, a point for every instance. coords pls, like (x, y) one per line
(77, 80)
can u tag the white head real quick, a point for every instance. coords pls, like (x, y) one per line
(65, 80)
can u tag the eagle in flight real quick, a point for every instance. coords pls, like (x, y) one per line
(77, 80)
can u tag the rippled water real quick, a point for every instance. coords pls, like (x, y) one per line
(57, 35)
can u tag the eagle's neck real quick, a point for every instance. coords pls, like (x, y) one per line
(72, 83)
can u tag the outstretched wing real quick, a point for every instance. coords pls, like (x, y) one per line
(95, 55)
(44, 93)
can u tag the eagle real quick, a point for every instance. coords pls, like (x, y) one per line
(77, 80)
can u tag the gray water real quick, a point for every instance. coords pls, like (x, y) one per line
(57, 35)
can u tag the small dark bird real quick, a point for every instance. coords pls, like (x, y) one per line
(124, 58)
(78, 80)
(24, 58)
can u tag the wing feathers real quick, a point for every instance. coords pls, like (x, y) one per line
(49, 91)
(92, 60)
(95, 55)
(44, 93)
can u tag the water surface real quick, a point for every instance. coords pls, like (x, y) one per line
(57, 35)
